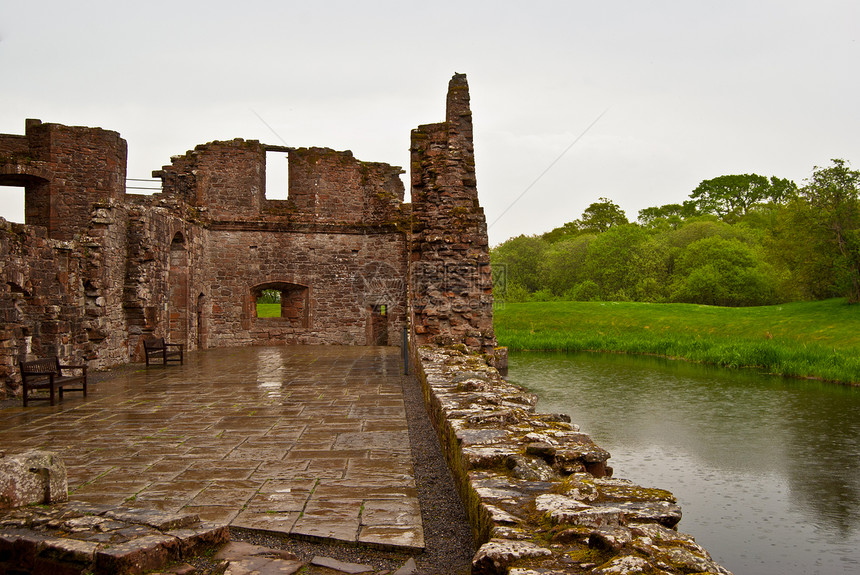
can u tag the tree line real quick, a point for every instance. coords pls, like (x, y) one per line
(739, 240)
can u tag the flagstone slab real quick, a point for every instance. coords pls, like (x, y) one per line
(388, 537)
(278, 522)
(291, 439)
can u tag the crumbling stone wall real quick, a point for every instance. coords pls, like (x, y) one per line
(94, 270)
(41, 299)
(451, 275)
(538, 491)
(65, 170)
(339, 238)
(226, 179)
(157, 283)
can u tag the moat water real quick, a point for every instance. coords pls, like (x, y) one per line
(767, 470)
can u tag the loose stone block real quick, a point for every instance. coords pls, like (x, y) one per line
(495, 556)
(32, 477)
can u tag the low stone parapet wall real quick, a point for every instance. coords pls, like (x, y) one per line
(539, 492)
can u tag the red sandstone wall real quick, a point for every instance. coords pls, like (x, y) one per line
(450, 271)
(164, 271)
(105, 269)
(12, 145)
(226, 178)
(41, 300)
(330, 186)
(84, 165)
(346, 274)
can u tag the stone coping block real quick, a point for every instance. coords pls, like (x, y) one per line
(539, 492)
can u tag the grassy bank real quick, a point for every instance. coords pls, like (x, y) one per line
(806, 339)
(268, 310)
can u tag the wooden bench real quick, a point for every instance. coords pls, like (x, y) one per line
(157, 348)
(49, 374)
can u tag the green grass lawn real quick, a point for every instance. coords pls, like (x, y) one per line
(806, 339)
(268, 310)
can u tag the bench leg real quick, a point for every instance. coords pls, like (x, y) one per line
(52, 392)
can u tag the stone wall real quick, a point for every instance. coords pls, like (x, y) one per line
(347, 275)
(41, 299)
(335, 249)
(539, 492)
(65, 170)
(95, 270)
(451, 277)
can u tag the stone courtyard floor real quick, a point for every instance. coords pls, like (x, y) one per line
(311, 442)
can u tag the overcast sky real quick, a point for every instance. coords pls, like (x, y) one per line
(681, 91)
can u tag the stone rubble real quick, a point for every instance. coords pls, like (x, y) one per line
(81, 538)
(539, 492)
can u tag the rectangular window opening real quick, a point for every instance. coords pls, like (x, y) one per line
(12, 204)
(277, 176)
(269, 303)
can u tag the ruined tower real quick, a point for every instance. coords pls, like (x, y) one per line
(452, 289)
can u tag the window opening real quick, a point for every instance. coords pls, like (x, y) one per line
(269, 303)
(286, 301)
(12, 204)
(277, 176)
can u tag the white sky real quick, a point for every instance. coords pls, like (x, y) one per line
(691, 89)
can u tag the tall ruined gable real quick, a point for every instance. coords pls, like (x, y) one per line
(451, 276)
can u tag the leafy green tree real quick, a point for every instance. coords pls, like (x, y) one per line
(563, 265)
(269, 296)
(597, 217)
(602, 215)
(737, 194)
(725, 272)
(833, 196)
(583, 291)
(514, 293)
(802, 252)
(522, 257)
(673, 214)
(615, 262)
(566, 231)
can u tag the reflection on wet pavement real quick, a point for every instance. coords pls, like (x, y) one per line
(306, 440)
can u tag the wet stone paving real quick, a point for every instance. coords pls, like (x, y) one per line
(306, 441)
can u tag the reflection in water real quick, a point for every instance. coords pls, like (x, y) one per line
(767, 470)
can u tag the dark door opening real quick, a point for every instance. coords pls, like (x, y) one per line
(379, 325)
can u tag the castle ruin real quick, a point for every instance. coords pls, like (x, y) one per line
(95, 269)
